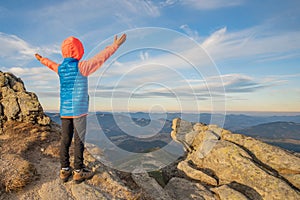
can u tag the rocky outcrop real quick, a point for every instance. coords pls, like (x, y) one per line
(17, 104)
(29, 153)
(29, 162)
(235, 166)
(217, 164)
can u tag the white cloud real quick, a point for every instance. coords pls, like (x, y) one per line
(163, 81)
(18, 71)
(16, 51)
(203, 4)
(14, 48)
(231, 83)
(25, 71)
(211, 4)
(286, 76)
(215, 38)
(252, 43)
(168, 3)
(91, 10)
(149, 7)
(191, 33)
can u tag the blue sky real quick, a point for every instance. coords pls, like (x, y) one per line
(198, 55)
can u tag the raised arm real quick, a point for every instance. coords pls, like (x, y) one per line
(47, 62)
(90, 66)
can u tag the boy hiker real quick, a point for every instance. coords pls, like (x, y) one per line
(74, 99)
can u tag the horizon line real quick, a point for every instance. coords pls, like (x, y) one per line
(205, 111)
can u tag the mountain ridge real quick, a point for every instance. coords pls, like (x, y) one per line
(232, 121)
(274, 130)
(106, 121)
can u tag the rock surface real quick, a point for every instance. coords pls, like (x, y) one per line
(179, 188)
(17, 104)
(255, 169)
(226, 193)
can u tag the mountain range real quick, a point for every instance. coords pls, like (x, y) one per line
(232, 122)
(282, 131)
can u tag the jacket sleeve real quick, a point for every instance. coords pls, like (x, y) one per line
(90, 66)
(50, 64)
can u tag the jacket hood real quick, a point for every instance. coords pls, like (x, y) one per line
(72, 48)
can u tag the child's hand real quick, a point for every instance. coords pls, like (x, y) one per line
(121, 40)
(38, 56)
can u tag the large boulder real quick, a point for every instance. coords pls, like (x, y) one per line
(17, 104)
(230, 162)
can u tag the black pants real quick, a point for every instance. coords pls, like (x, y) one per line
(70, 127)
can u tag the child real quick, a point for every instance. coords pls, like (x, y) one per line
(74, 100)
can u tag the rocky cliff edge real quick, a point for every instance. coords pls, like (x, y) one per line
(217, 163)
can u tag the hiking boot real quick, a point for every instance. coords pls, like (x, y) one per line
(83, 174)
(64, 174)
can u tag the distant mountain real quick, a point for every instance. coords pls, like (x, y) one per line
(139, 132)
(235, 122)
(231, 122)
(283, 134)
(274, 130)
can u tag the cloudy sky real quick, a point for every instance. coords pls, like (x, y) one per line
(189, 56)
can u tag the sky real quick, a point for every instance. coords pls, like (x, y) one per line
(188, 56)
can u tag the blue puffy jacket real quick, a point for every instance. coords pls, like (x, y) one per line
(73, 89)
